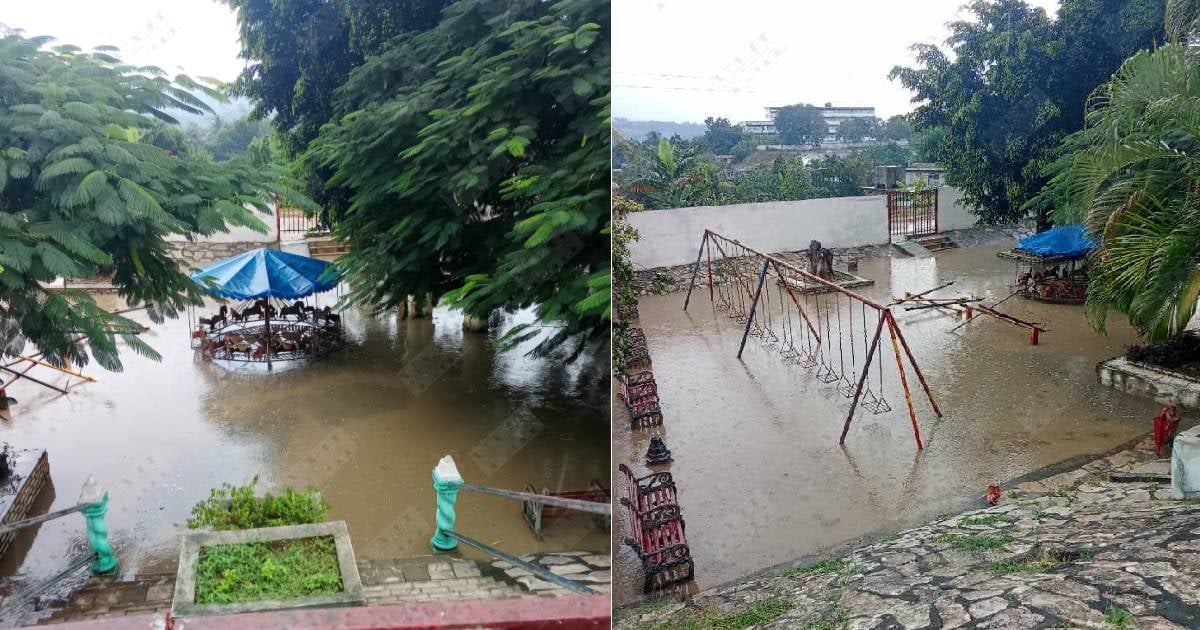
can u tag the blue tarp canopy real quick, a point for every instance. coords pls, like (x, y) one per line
(1071, 241)
(267, 273)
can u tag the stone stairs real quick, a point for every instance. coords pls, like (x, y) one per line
(936, 242)
(326, 246)
(393, 581)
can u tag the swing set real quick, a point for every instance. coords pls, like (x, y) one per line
(802, 326)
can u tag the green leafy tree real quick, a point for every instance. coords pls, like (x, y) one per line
(787, 179)
(857, 129)
(669, 173)
(1133, 177)
(227, 139)
(1013, 85)
(800, 124)
(721, 135)
(475, 159)
(94, 174)
(929, 145)
(890, 154)
(895, 129)
(838, 176)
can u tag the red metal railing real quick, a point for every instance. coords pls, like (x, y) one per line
(912, 213)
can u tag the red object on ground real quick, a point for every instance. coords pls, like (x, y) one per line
(1166, 423)
(993, 495)
(562, 612)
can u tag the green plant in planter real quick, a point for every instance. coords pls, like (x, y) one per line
(283, 569)
(237, 507)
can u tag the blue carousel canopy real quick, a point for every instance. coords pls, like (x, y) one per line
(1065, 240)
(267, 273)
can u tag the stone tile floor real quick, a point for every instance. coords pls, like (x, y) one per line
(1100, 546)
(419, 579)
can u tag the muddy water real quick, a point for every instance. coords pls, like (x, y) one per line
(160, 434)
(762, 480)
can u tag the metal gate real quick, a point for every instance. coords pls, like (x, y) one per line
(296, 221)
(912, 213)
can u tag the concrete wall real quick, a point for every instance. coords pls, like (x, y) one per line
(672, 237)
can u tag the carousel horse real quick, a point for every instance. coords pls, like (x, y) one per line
(296, 309)
(331, 318)
(220, 318)
(235, 316)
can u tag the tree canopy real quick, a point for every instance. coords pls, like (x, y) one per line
(94, 174)
(475, 158)
(1014, 84)
(721, 135)
(800, 124)
(1132, 175)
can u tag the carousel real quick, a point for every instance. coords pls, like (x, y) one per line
(1052, 265)
(270, 320)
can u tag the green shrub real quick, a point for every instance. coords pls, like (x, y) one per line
(284, 569)
(236, 507)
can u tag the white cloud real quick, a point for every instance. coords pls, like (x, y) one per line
(687, 59)
(197, 37)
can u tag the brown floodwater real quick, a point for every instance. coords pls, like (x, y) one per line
(358, 425)
(762, 480)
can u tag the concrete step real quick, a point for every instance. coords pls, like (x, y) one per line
(936, 242)
(912, 248)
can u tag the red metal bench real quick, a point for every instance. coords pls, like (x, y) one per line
(637, 355)
(535, 513)
(640, 394)
(656, 529)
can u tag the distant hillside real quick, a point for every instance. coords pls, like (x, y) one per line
(639, 129)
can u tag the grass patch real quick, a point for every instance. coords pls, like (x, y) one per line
(760, 612)
(649, 607)
(1118, 618)
(837, 565)
(236, 507)
(892, 537)
(284, 569)
(836, 620)
(973, 542)
(984, 519)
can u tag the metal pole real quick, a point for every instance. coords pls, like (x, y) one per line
(708, 248)
(446, 482)
(916, 368)
(537, 570)
(861, 380)
(695, 270)
(573, 504)
(912, 411)
(267, 320)
(762, 277)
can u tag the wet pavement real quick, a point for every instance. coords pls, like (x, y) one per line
(357, 425)
(761, 478)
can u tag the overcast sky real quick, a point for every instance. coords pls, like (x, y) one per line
(198, 37)
(684, 60)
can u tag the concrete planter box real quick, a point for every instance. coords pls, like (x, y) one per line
(1148, 381)
(184, 602)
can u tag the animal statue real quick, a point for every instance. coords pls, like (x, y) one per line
(235, 316)
(331, 318)
(820, 260)
(296, 309)
(218, 320)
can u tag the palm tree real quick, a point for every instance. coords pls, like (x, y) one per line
(1132, 175)
(671, 173)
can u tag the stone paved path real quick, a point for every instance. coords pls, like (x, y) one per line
(1076, 550)
(419, 579)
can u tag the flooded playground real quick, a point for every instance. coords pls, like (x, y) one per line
(365, 425)
(762, 480)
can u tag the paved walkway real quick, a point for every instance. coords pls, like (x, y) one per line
(1101, 546)
(419, 579)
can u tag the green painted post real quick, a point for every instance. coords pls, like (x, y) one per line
(96, 499)
(446, 482)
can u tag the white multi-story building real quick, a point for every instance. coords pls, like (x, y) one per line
(834, 117)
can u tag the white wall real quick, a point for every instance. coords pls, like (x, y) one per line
(238, 234)
(672, 237)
